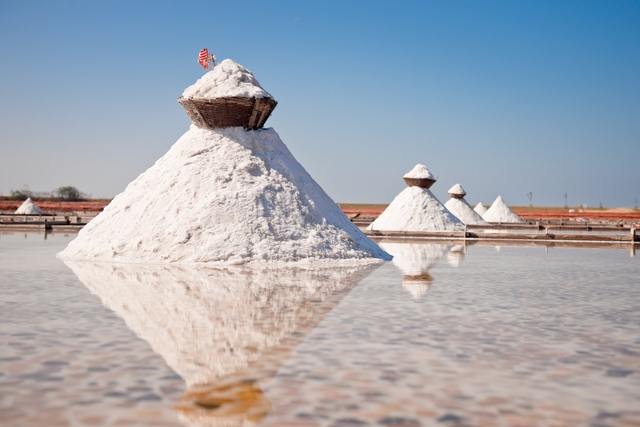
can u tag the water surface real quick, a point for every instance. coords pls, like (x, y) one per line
(443, 335)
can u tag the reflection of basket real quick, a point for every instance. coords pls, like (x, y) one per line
(419, 182)
(250, 113)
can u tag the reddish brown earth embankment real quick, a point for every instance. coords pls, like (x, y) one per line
(368, 210)
(605, 214)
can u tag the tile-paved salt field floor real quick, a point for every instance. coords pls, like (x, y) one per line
(443, 335)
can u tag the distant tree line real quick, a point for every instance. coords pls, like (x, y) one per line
(67, 193)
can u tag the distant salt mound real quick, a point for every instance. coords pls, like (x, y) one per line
(500, 212)
(416, 209)
(227, 79)
(458, 206)
(480, 209)
(226, 196)
(29, 208)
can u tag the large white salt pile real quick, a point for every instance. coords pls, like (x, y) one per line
(458, 206)
(500, 212)
(28, 208)
(416, 209)
(223, 196)
(480, 209)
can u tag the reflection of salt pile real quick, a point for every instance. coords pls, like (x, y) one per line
(460, 208)
(500, 212)
(210, 322)
(415, 260)
(416, 208)
(28, 208)
(223, 196)
(222, 330)
(455, 255)
(480, 209)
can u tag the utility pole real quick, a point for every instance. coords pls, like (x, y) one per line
(530, 196)
(566, 205)
(635, 204)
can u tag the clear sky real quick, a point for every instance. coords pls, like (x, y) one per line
(504, 97)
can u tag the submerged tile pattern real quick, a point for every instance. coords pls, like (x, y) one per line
(515, 337)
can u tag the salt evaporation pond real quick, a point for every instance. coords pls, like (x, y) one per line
(520, 336)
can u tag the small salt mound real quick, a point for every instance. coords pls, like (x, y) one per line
(226, 196)
(480, 209)
(419, 172)
(458, 206)
(28, 208)
(226, 79)
(500, 212)
(416, 209)
(457, 190)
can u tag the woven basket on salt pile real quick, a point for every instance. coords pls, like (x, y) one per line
(250, 113)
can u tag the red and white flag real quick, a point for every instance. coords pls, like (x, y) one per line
(203, 58)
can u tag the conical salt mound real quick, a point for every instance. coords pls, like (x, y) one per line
(416, 209)
(458, 206)
(500, 212)
(28, 208)
(480, 209)
(223, 196)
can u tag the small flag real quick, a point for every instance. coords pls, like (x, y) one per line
(203, 58)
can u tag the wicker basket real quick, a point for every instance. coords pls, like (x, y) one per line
(250, 113)
(419, 182)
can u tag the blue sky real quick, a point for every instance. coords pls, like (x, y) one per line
(504, 97)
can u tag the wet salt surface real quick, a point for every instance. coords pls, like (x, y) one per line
(455, 336)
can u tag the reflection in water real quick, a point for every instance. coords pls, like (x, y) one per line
(455, 255)
(415, 260)
(221, 330)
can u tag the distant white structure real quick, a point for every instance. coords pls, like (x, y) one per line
(460, 208)
(29, 208)
(416, 208)
(500, 212)
(480, 209)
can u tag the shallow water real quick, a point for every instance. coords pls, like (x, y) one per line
(443, 335)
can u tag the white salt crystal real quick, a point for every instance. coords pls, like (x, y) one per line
(227, 196)
(28, 208)
(500, 212)
(226, 79)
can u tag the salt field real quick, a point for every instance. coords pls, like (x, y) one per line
(442, 335)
